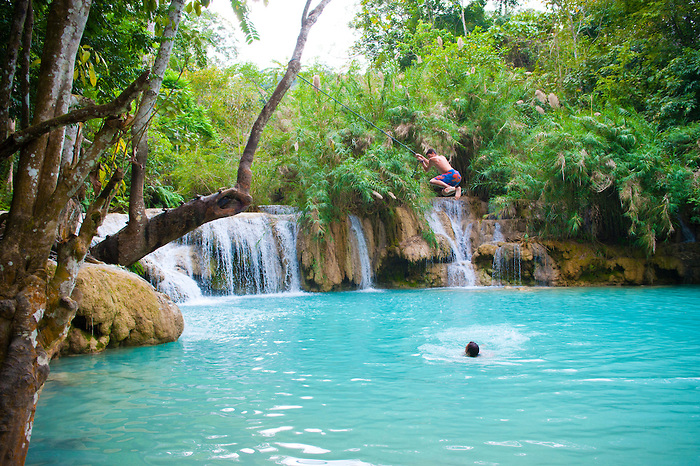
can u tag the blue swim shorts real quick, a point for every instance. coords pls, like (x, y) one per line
(451, 177)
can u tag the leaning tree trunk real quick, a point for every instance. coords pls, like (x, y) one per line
(35, 307)
(142, 119)
(131, 244)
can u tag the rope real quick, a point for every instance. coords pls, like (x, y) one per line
(356, 114)
(418, 163)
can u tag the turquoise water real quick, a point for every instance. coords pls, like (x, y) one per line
(566, 376)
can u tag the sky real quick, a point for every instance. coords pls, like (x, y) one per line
(278, 25)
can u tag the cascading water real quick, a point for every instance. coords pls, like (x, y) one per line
(461, 271)
(362, 252)
(169, 268)
(688, 236)
(507, 265)
(287, 230)
(497, 234)
(543, 266)
(250, 253)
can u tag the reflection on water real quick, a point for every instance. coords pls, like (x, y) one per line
(606, 376)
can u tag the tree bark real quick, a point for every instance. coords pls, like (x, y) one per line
(131, 244)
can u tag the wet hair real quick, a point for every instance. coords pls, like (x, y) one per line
(472, 349)
(430, 151)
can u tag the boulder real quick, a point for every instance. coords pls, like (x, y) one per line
(119, 308)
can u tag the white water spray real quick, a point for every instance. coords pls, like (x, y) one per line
(362, 252)
(461, 271)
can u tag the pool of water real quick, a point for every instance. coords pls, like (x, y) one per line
(565, 376)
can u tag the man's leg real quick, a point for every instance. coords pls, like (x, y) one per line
(438, 182)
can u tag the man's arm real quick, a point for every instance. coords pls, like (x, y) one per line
(424, 162)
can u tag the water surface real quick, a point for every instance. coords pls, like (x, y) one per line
(565, 376)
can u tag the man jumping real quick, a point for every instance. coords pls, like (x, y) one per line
(448, 179)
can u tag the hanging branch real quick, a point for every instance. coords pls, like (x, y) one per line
(119, 105)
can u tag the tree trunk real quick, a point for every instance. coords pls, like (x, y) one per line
(36, 310)
(7, 73)
(131, 244)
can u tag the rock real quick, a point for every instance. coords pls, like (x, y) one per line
(325, 261)
(119, 308)
(403, 255)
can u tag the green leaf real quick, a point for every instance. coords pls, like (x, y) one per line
(93, 76)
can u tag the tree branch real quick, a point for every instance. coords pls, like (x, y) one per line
(119, 105)
(171, 225)
(244, 167)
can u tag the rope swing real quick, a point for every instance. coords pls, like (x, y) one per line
(316, 85)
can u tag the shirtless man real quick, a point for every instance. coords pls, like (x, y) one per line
(448, 179)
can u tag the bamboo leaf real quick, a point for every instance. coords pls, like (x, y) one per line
(93, 75)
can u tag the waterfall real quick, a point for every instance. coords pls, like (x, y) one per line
(507, 265)
(249, 253)
(287, 231)
(688, 236)
(362, 252)
(497, 234)
(460, 271)
(543, 268)
(168, 268)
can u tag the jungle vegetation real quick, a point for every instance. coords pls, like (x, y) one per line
(584, 117)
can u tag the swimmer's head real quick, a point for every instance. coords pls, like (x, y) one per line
(472, 349)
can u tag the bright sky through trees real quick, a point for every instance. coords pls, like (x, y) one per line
(278, 25)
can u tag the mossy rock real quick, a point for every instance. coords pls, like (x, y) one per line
(119, 308)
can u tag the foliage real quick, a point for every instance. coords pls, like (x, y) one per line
(597, 177)
(586, 115)
(115, 41)
(388, 27)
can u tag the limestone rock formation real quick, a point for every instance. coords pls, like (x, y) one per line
(570, 263)
(119, 308)
(398, 249)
